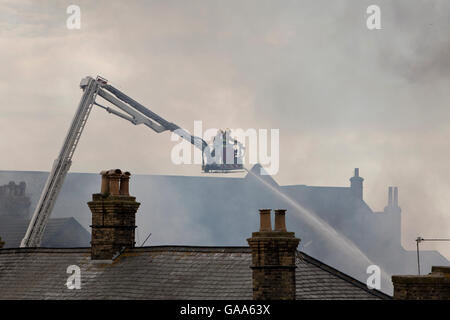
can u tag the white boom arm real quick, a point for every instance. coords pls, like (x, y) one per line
(60, 167)
(137, 114)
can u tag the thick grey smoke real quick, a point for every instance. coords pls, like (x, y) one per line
(341, 95)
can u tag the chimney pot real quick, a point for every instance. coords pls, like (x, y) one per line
(114, 181)
(280, 220)
(124, 184)
(396, 196)
(265, 222)
(105, 183)
(390, 197)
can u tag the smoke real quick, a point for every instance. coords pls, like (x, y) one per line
(341, 95)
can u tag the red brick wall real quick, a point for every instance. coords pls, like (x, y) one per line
(113, 224)
(435, 286)
(273, 265)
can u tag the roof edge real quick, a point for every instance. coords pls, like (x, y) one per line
(179, 248)
(183, 248)
(345, 277)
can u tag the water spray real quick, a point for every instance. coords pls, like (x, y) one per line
(318, 223)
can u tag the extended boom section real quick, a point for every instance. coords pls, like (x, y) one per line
(141, 115)
(60, 167)
(132, 111)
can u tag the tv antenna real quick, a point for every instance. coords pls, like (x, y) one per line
(419, 240)
(146, 239)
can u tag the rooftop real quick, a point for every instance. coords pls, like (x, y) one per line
(161, 272)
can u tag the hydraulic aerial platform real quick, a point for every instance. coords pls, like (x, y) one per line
(132, 111)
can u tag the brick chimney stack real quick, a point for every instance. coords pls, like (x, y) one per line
(113, 216)
(356, 184)
(13, 200)
(273, 258)
(434, 286)
(392, 206)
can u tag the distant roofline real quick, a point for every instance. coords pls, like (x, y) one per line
(44, 250)
(187, 176)
(18, 217)
(24, 171)
(316, 187)
(135, 174)
(203, 176)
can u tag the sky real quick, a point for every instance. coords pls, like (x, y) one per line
(341, 95)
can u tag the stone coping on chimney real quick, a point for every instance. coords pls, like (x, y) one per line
(272, 234)
(445, 270)
(438, 275)
(428, 279)
(109, 197)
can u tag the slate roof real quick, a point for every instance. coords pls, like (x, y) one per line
(60, 232)
(220, 211)
(160, 272)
